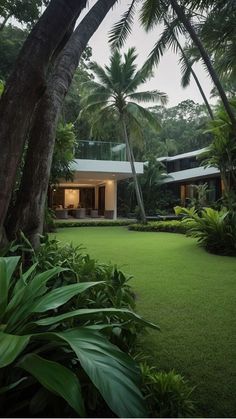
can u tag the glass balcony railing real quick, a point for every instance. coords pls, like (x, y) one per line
(101, 150)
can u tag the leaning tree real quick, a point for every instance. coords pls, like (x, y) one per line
(28, 212)
(25, 87)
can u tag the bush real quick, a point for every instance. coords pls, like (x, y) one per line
(214, 230)
(78, 266)
(168, 394)
(97, 223)
(50, 357)
(164, 226)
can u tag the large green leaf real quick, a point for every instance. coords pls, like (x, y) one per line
(10, 347)
(20, 305)
(60, 296)
(56, 378)
(121, 313)
(113, 372)
(7, 267)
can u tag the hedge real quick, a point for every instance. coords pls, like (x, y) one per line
(98, 223)
(165, 226)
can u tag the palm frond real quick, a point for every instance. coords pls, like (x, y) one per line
(93, 106)
(140, 113)
(101, 74)
(140, 77)
(152, 12)
(121, 29)
(149, 96)
(167, 40)
(186, 70)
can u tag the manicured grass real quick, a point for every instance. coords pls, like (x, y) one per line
(192, 296)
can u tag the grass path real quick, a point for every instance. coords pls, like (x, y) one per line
(192, 296)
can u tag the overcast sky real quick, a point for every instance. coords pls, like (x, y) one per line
(167, 74)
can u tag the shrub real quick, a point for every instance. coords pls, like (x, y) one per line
(214, 230)
(164, 226)
(78, 266)
(44, 354)
(93, 223)
(168, 394)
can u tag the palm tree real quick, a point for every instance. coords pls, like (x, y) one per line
(155, 11)
(222, 152)
(115, 95)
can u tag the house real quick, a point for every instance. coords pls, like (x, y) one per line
(93, 191)
(185, 171)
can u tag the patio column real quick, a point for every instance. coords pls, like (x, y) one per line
(111, 197)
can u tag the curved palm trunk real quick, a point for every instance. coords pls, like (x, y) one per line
(135, 178)
(193, 73)
(196, 40)
(28, 212)
(25, 87)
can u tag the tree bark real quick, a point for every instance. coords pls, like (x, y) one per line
(28, 212)
(205, 57)
(25, 87)
(134, 174)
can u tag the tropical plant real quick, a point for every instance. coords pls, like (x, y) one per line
(214, 230)
(77, 266)
(150, 181)
(222, 151)
(63, 153)
(114, 95)
(43, 350)
(168, 394)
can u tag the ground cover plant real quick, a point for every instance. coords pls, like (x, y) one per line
(47, 343)
(190, 294)
(214, 230)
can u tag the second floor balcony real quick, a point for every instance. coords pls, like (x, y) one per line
(101, 150)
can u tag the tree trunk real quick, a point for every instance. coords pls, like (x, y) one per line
(193, 73)
(205, 57)
(28, 212)
(25, 87)
(135, 178)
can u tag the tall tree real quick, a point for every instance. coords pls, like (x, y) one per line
(24, 11)
(25, 87)
(154, 12)
(11, 41)
(115, 95)
(28, 212)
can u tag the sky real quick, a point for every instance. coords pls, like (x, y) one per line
(167, 75)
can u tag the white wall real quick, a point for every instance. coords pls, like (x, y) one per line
(111, 196)
(72, 197)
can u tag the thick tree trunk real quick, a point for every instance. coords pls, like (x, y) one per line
(134, 174)
(25, 87)
(28, 213)
(193, 73)
(205, 57)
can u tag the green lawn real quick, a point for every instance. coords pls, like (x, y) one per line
(191, 294)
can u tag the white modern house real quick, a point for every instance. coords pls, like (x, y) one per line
(93, 191)
(185, 171)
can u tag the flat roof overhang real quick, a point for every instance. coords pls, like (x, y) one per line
(97, 172)
(192, 174)
(104, 169)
